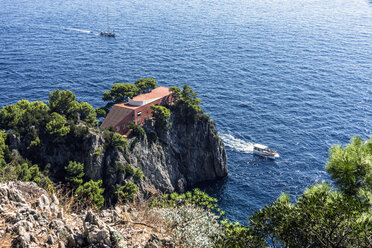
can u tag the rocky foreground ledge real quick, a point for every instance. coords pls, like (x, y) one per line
(30, 218)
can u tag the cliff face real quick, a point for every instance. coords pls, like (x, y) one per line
(186, 154)
(183, 155)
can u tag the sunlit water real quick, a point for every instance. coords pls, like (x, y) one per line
(292, 74)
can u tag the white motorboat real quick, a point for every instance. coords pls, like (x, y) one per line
(264, 151)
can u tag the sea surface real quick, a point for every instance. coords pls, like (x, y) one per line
(295, 75)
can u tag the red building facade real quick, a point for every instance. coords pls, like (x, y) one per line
(137, 109)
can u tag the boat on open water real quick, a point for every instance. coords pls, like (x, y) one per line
(107, 34)
(264, 151)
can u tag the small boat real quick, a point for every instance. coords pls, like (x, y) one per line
(107, 34)
(264, 151)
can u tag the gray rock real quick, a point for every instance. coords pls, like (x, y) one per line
(15, 196)
(61, 244)
(43, 203)
(55, 199)
(23, 226)
(50, 240)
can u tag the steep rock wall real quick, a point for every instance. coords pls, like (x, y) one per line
(183, 155)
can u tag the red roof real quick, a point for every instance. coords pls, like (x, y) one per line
(154, 94)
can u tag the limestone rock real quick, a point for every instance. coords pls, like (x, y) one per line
(43, 202)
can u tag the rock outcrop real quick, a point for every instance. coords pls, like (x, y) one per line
(28, 219)
(185, 154)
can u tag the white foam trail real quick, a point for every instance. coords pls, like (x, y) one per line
(80, 30)
(237, 144)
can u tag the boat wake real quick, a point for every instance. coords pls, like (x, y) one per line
(237, 144)
(80, 30)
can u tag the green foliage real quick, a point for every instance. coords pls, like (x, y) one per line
(196, 198)
(74, 173)
(3, 148)
(120, 92)
(57, 125)
(137, 130)
(101, 112)
(23, 115)
(351, 167)
(64, 103)
(28, 173)
(91, 192)
(145, 84)
(127, 192)
(161, 115)
(79, 133)
(237, 235)
(34, 145)
(97, 152)
(138, 174)
(187, 103)
(321, 217)
(116, 140)
(126, 169)
(88, 114)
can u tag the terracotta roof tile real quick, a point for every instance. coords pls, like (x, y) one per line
(154, 94)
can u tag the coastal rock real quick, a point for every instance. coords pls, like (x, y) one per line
(185, 154)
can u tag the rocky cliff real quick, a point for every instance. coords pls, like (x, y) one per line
(183, 155)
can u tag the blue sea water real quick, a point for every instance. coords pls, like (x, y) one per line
(295, 75)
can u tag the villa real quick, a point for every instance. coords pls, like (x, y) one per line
(137, 109)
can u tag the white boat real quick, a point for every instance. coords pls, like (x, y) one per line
(264, 151)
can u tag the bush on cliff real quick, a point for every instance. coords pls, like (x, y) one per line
(137, 130)
(114, 140)
(186, 103)
(74, 173)
(4, 150)
(57, 125)
(161, 116)
(91, 193)
(127, 192)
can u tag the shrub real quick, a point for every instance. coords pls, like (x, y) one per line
(91, 192)
(35, 144)
(116, 140)
(161, 115)
(97, 152)
(236, 235)
(87, 113)
(187, 103)
(137, 130)
(127, 192)
(191, 226)
(196, 198)
(138, 174)
(3, 147)
(57, 125)
(145, 84)
(28, 173)
(64, 103)
(74, 173)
